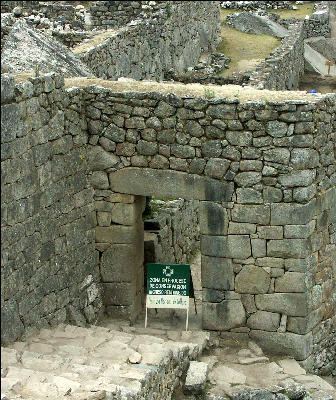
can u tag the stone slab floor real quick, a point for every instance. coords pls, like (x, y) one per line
(120, 361)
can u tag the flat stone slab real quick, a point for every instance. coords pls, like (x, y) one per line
(97, 363)
(291, 367)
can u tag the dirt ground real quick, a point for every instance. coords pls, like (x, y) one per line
(322, 84)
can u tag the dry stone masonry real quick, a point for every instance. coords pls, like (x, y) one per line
(172, 235)
(82, 160)
(147, 48)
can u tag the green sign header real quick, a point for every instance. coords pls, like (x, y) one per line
(168, 285)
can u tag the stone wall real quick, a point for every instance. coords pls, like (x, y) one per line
(149, 47)
(172, 235)
(263, 171)
(261, 240)
(284, 67)
(257, 5)
(115, 14)
(49, 269)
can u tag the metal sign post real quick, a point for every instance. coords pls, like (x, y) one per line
(168, 286)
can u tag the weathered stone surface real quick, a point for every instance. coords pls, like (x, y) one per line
(252, 280)
(229, 375)
(116, 262)
(299, 231)
(11, 325)
(270, 232)
(217, 273)
(232, 246)
(259, 214)
(196, 377)
(256, 24)
(304, 177)
(265, 321)
(223, 316)
(289, 248)
(246, 179)
(294, 304)
(248, 195)
(213, 219)
(99, 159)
(291, 282)
(99, 180)
(292, 214)
(26, 46)
(148, 182)
(241, 228)
(298, 346)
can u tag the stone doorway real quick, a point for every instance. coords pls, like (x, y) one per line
(121, 264)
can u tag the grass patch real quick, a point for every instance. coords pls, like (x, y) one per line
(95, 41)
(244, 94)
(245, 50)
(307, 8)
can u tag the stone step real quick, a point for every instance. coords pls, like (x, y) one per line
(97, 362)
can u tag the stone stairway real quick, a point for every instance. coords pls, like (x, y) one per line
(105, 363)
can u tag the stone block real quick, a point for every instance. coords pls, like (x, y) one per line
(293, 304)
(118, 293)
(116, 234)
(304, 194)
(11, 325)
(255, 214)
(196, 377)
(270, 232)
(212, 295)
(119, 262)
(289, 248)
(213, 219)
(104, 218)
(304, 158)
(291, 344)
(300, 265)
(264, 321)
(291, 367)
(216, 168)
(249, 196)
(258, 248)
(272, 195)
(150, 182)
(247, 179)
(276, 129)
(291, 282)
(239, 138)
(217, 273)
(303, 177)
(299, 231)
(99, 159)
(126, 214)
(280, 155)
(248, 303)
(252, 280)
(303, 325)
(231, 246)
(241, 228)
(223, 316)
(292, 214)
